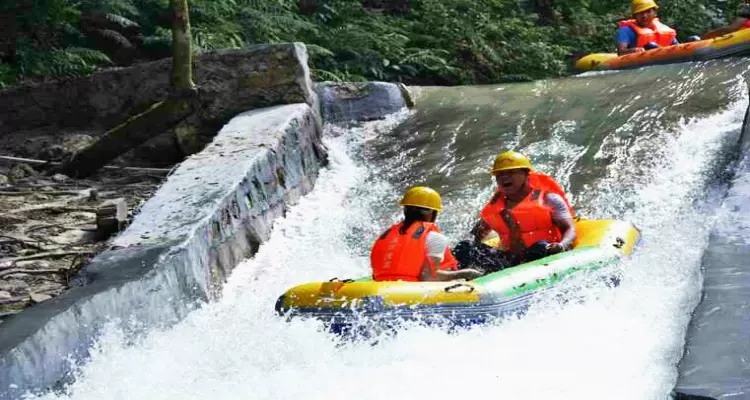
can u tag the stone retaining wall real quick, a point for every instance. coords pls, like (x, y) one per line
(212, 212)
(33, 118)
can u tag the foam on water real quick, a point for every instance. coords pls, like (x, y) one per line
(620, 343)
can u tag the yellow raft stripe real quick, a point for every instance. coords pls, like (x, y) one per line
(393, 293)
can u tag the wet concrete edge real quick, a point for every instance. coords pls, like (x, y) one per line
(717, 339)
(214, 211)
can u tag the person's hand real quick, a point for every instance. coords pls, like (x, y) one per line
(471, 273)
(638, 50)
(554, 248)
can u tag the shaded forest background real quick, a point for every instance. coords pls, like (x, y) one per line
(443, 42)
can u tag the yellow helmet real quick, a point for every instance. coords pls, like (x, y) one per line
(638, 6)
(422, 196)
(510, 160)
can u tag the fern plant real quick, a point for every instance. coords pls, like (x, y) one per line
(60, 63)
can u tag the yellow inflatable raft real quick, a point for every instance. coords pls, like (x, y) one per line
(343, 302)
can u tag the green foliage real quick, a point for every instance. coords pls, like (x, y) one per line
(8, 76)
(435, 42)
(58, 63)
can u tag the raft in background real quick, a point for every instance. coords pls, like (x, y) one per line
(735, 44)
(347, 303)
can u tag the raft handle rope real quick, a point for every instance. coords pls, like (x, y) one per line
(336, 279)
(450, 288)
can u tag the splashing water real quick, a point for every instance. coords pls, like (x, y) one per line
(620, 343)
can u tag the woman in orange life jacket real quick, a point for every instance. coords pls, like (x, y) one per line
(741, 22)
(644, 31)
(528, 211)
(415, 249)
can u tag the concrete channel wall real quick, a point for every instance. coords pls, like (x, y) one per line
(211, 213)
(716, 361)
(214, 211)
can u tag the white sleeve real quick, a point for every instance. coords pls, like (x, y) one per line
(558, 206)
(436, 244)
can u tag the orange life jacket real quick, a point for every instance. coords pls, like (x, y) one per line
(545, 183)
(656, 32)
(528, 222)
(400, 257)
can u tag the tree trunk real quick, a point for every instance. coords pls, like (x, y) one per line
(182, 55)
(161, 117)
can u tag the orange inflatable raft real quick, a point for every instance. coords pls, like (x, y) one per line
(731, 45)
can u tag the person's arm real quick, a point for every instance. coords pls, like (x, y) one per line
(436, 245)
(563, 221)
(622, 48)
(734, 26)
(624, 38)
(480, 231)
(442, 276)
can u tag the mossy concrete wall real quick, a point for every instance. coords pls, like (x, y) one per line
(211, 213)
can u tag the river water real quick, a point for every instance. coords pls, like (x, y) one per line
(651, 146)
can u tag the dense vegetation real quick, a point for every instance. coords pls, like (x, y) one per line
(417, 41)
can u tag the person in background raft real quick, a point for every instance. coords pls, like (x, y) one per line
(530, 213)
(741, 22)
(644, 31)
(415, 249)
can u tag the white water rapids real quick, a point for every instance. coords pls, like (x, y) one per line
(620, 343)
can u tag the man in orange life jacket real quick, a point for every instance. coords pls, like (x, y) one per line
(530, 213)
(415, 249)
(644, 31)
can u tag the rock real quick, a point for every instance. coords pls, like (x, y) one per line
(111, 216)
(5, 294)
(359, 102)
(60, 148)
(59, 178)
(33, 264)
(55, 152)
(231, 81)
(13, 305)
(4, 180)
(38, 298)
(162, 150)
(47, 286)
(13, 285)
(21, 171)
